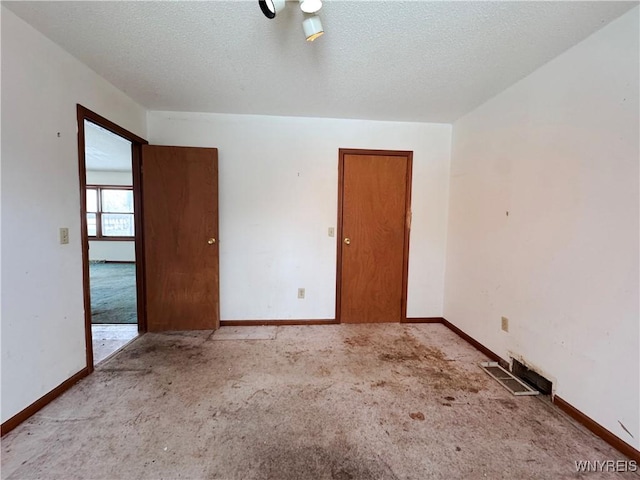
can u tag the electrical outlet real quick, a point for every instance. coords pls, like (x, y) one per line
(332, 232)
(505, 324)
(301, 293)
(64, 236)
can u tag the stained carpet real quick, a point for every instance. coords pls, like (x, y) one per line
(325, 402)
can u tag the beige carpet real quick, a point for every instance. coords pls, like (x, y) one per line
(314, 402)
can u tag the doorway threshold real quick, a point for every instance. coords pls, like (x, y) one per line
(109, 338)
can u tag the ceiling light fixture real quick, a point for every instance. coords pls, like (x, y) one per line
(311, 25)
(310, 6)
(312, 28)
(271, 7)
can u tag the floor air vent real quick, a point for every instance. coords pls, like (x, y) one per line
(534, 379)
(508, 381)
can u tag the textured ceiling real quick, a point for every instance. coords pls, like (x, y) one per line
(387, 60)
(105, 150)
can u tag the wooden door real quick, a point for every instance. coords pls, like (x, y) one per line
(374, 204)
(180, 198)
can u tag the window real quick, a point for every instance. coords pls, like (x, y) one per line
(110, 212)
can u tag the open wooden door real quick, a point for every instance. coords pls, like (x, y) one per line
(373, 226)
(180, 196)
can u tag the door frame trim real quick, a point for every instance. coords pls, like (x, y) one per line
(408, 154)
(83, 114)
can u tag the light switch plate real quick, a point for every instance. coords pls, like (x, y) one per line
(505, 324)
(332, 232)
(64, 236)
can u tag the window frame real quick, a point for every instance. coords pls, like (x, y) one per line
(98, 213)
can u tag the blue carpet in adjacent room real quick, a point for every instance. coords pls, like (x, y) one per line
(113, 292)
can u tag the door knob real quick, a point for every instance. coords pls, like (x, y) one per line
(211, 241)
(347, 241)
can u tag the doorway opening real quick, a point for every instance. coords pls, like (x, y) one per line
(111, 232)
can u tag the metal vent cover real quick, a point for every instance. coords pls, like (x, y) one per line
(507, 380)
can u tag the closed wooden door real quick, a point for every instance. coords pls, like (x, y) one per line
(180, 195)
(374, 235)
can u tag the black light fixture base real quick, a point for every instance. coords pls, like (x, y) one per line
(267, 8)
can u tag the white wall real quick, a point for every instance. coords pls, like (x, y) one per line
(103, 177)
(111, 250)
(278, 180)
(42, 309)
(559, 151)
